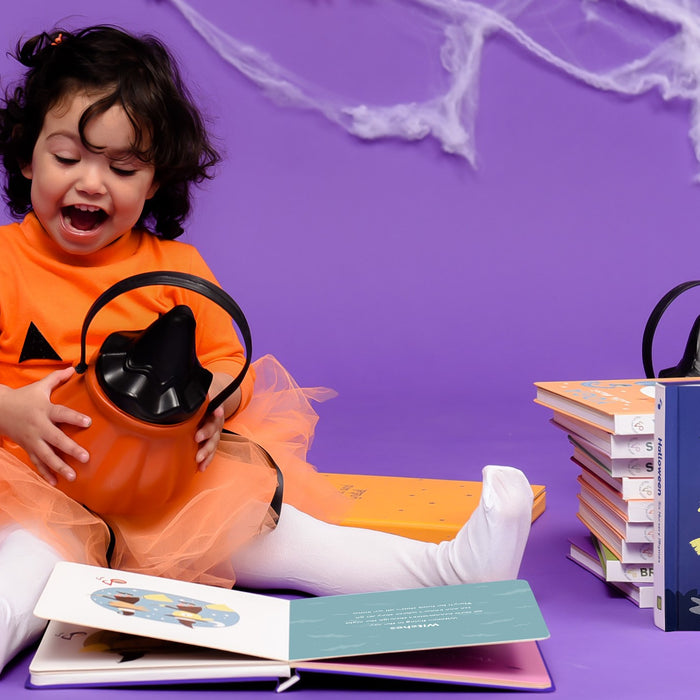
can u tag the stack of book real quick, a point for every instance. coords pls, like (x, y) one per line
(610, 425)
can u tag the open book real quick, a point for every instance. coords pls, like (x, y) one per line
(105, 622)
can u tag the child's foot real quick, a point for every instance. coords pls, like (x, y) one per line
(490, 546)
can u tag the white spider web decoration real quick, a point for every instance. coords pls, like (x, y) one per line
(670, 65)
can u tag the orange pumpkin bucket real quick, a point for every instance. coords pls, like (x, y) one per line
(146, 393)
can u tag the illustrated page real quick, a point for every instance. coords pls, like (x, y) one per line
(177, 611)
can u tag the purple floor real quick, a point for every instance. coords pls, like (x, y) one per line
(601, 644)
(430, 293)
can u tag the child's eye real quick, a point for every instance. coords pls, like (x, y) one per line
(65, 160)
(123, 172)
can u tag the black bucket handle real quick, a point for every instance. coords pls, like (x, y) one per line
(186, 281)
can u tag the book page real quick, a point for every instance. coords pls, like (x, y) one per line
(424, 618)
(176, 611)
(74, 655)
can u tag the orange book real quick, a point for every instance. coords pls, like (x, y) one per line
(432, 510)
(622, 407)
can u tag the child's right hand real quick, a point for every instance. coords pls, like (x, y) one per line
(28, 417)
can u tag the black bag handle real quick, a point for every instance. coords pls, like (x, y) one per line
(186, 281)
(650, 329)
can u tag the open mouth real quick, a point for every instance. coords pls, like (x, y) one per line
(83, 217)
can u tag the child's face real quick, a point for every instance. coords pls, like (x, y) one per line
(86, 199)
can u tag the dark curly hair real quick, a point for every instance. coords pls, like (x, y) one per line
(136, 72)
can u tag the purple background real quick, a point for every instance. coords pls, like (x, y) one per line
(432, 295)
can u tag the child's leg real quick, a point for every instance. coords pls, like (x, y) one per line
(312, 556)
(25, 565)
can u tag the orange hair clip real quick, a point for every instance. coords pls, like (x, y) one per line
(57, 40)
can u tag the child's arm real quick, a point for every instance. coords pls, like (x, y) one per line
(209, 431)
(29, 418)
(218, 347)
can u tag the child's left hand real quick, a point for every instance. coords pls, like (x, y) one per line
(209, 432)
(208, 436)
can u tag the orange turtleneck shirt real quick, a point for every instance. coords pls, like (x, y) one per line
(45, 294)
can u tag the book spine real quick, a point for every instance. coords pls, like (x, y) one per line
(678, 514)
(626, 552)
(617, 572)
(633, 489)
(639, 593)
(637, 552)
(640, 511)
(621, 466)
(634, 424)
(612, 445)
(631, 532)
(633, 467)
(662, 454)
(636, 511)
(629, 488)
(639, 532)
(625, 446)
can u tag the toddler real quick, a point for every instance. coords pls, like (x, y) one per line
(101, 145)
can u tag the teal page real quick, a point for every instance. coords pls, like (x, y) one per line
(424, 618)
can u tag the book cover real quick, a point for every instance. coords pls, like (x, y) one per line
(582, 552)
(292, 630)
(677, 556)
(432, 510)
(612, 445)
(624, 407)
(77, 656)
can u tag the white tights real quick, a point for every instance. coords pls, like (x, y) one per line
(25, 565)
(312, 556)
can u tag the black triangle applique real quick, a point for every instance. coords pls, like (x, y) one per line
(36, 347)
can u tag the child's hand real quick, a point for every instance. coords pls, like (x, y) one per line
(209, 432)
(28, 417)
(208, 436)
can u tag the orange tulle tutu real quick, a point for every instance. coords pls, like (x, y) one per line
(193, 537)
